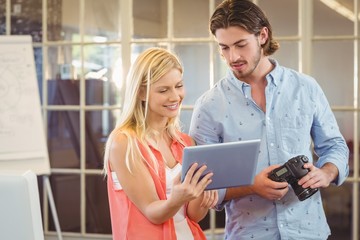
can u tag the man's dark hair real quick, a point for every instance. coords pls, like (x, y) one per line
(244, 14)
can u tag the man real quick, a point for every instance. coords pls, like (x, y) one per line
(287, 110)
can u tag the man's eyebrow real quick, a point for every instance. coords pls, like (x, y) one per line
(237, 42)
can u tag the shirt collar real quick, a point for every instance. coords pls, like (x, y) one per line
(275, 74)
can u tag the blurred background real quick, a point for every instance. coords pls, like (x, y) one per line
(84, 48)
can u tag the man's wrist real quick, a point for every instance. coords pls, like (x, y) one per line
(331, 171)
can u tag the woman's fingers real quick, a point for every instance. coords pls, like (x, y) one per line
(198, 175)
(210, 199)
(196, 179)
(194, 174)
(190, 173)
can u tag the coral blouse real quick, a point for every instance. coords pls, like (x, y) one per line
(128, 222)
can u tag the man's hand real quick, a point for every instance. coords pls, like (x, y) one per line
(319, 177)
(266, 188)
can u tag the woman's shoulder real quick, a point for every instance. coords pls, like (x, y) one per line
(119, 141)
(119, 137)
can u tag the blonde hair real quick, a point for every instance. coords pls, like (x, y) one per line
(148, 68)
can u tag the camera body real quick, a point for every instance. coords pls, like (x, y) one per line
(292, 171)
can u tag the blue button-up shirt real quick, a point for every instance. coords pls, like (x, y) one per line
(298, 120)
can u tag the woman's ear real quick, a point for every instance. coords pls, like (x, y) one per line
(142, 94)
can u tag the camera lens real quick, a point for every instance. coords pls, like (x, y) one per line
(306, 193)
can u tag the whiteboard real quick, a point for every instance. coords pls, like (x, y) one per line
(22, 136)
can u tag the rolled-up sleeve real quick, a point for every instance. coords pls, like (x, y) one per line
(329, 144)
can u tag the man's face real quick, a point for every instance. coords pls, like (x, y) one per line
(241, 50)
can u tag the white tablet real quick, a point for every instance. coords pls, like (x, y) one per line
(233, 163)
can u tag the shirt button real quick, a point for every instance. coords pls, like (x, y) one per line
(272, 144)
(281, 225)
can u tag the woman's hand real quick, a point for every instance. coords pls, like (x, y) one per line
(192, 186)
(210, 198)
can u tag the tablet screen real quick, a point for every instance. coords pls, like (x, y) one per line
(233, 163)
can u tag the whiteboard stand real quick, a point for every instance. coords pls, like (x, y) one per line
(52, 206)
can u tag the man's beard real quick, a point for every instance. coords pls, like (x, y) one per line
(253, 65)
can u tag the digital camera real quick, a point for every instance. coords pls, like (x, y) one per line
(292, 171)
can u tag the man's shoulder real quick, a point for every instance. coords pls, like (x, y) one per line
(214, 94)
(292, 78)
(297, 75)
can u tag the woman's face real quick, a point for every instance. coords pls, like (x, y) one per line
(165, 96)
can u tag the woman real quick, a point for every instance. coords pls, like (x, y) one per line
(143, 158)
